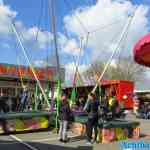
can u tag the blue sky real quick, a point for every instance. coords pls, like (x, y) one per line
(28, 12)
(92, 14)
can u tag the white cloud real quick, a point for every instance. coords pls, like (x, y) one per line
(6, 15)
(69, 46)
(113, 63)
(101, 42)
(105, 12)
(70, 70)
(28, 34)
(40, 63)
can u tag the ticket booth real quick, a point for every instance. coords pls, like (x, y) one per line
(122, 89)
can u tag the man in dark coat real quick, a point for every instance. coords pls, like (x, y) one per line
(91, 107)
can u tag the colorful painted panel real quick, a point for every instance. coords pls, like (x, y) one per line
(26, 72)
(16, 125)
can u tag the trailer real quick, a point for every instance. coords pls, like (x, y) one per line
(123, 91)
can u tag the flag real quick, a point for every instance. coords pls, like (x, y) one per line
(58, 92)
(78, 82)
(47, 91)
(77, 79)
(100, 93)
(36, 97)
(73, 97)
(58, 97)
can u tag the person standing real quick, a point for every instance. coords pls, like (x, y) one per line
(82, 103)
(24, 99)
(91, 107)
(64, 113)
(9, 104)
(136, 105)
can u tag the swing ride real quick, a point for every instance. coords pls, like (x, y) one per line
(31, 79)
(109, 129)
(15, 119)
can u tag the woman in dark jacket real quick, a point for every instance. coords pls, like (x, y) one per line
(64, 118)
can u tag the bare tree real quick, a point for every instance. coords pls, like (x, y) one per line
(94, 71)
(124, 69)
(127, 69)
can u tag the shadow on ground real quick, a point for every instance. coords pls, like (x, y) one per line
(142, 135)
(14, 145)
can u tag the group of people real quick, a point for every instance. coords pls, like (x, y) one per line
(80, 103)
(92, 107)
(24, 101)
(144, 111)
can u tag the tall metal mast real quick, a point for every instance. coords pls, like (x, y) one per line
(53, 30)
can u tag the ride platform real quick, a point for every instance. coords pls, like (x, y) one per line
(109, 131)
(24, 121)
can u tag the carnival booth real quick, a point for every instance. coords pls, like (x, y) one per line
(113, 129)
(122, 90)
(21, 98)
(142, 104)
(81, 91)
(25, 121)
(110, 131)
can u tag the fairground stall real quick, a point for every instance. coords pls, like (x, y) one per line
(122, 89)
(112, 129)
(22, 106)
(142, 104)
(81, 91)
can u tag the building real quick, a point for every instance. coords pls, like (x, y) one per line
(13, 77)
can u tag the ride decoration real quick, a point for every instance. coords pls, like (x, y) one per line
(24, 124)
(26, 72)
(111, 131)
(141, 51)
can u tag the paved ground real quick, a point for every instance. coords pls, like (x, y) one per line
(48, 141)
